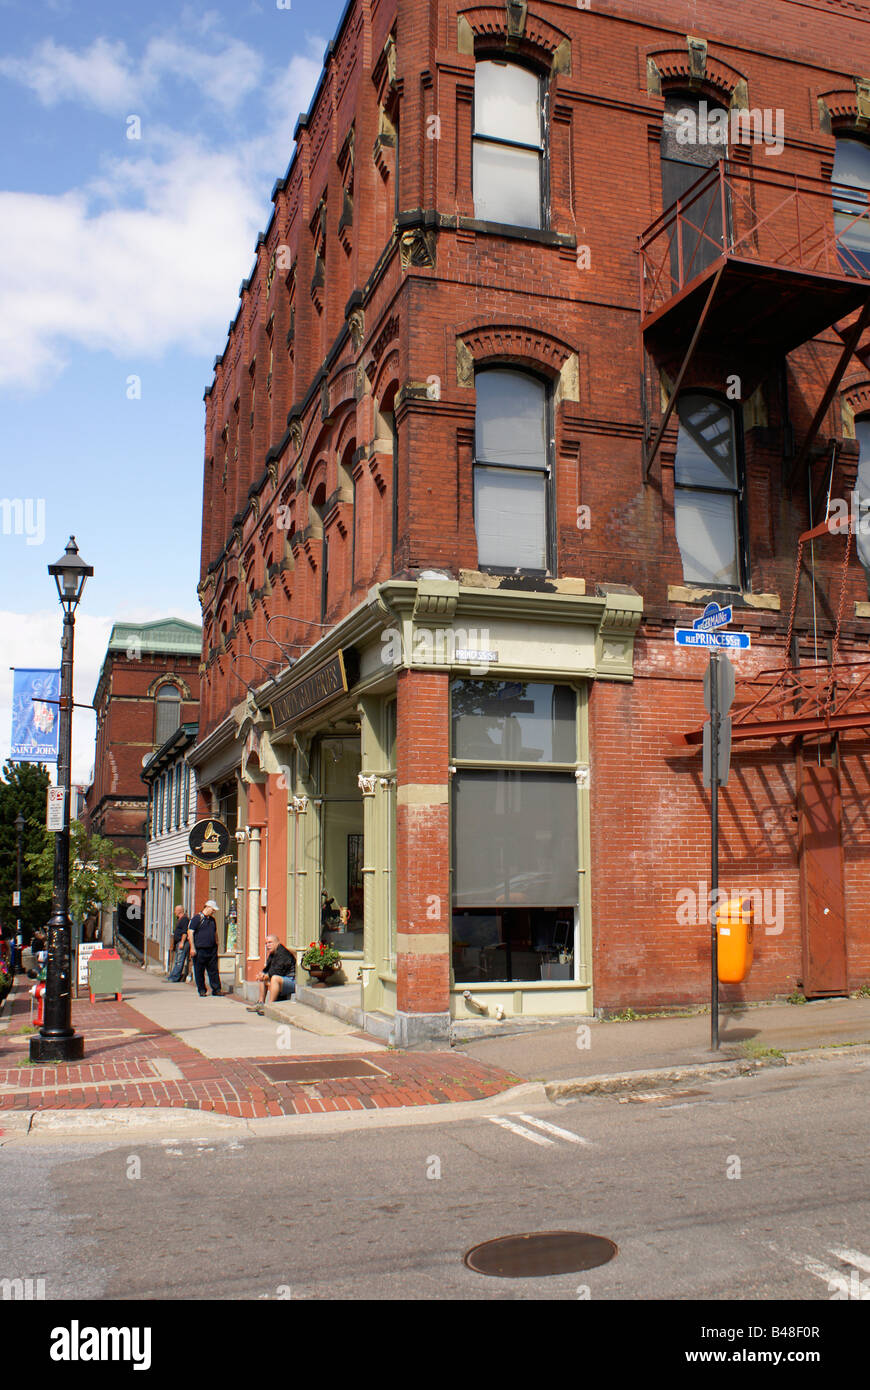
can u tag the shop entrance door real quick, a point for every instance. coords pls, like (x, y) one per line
(342, 841)
(823, 903)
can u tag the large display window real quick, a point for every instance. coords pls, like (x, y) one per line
(515, 831)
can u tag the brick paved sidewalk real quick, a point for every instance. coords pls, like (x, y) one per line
(131, 1062)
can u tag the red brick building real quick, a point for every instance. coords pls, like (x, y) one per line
(148, 686)
(554, 336)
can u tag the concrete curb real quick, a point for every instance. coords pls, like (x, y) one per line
(617, 1082)
(151, 1122)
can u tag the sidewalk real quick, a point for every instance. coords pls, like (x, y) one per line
(556, 1053)
(165, 1046)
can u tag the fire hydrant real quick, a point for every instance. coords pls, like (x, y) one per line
(38, 993)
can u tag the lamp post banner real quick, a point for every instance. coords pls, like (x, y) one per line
(35, 716)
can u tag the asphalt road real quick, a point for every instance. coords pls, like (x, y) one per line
(365, 1214)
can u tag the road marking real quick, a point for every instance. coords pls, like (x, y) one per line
(853, 1257)
(519, 1129)
(834, 1278)
(551, 1129)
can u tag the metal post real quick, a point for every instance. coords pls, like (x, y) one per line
(56, 1040)
(19, 933)
(714, 851)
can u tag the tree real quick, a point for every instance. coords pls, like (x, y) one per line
(23, 789)
(96, 866)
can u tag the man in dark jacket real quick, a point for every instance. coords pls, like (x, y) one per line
(180, 947)
(202, 935)
(278, 976)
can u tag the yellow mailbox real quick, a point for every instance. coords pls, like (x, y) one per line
(734, 924)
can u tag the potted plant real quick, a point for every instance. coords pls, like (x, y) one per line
(321, 960)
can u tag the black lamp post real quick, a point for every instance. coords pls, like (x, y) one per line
(19, 938)
(56, 1040)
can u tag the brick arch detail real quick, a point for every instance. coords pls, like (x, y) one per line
(490, 22)
(844, 113)
(386, 376)
(719, 80)
(169, 678)
(857, 396)
(523, 343)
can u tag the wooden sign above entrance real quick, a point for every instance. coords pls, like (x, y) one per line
(331, 679)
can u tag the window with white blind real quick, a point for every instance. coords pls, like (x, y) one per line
(512, 448)
(509, 147)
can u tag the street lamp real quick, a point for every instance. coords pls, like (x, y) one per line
(56, 1040)
(19, 938)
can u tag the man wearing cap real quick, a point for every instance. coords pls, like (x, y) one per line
(202, 935)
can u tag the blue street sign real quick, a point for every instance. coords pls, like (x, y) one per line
(712, 616)
(690, 637)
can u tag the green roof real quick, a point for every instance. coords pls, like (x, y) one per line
(164, 635)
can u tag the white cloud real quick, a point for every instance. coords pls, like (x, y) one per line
(101, 76)
(105, 76)
(149, 255)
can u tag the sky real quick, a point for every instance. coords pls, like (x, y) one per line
(141, 144)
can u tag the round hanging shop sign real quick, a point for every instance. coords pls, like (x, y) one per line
(209, 841)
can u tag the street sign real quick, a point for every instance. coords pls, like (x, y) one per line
(712, 616)
(55, 808)
(692, 637)
(724, 759)
(725, 684)
(16, 898)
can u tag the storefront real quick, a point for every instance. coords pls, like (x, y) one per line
(414, 790)
(171, 814)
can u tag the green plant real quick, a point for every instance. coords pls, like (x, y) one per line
(96, 869)
(796, 998)
(863, 992)
(319, 956)
(626, 1016)
(757, 1051)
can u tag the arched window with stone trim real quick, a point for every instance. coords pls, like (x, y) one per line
(694, 138)
(509, 155)
(167, 713)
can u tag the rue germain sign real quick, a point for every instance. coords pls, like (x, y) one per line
(318, 689)
(209, 841)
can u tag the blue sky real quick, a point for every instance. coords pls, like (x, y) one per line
(120, 263)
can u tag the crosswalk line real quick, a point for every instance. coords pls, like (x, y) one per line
(854, 1257)
(521, 1130)
(551, 1129)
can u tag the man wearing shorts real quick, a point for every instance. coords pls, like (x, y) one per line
(278, 976)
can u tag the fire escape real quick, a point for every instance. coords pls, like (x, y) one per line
(748, 265)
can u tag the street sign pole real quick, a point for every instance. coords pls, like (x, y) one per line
(714, 850)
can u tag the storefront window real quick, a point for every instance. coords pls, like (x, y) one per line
(514, 831)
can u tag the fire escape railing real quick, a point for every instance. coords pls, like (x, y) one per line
(764, 215)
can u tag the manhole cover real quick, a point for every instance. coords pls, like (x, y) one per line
(540, 1252)
(333, 1070)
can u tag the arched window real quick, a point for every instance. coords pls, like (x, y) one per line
(694, 138)
(708, 491)
(509, 147)
(168, 713)
(851, 180)
(512, 470)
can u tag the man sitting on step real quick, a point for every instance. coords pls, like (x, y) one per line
(278, 976)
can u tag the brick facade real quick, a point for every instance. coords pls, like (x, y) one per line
(341, 420)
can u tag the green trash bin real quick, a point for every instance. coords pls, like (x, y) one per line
(105, 974)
